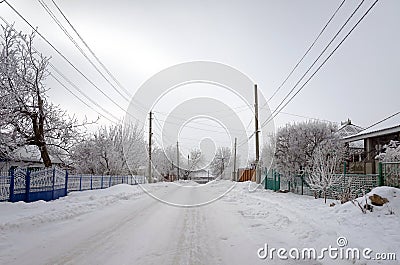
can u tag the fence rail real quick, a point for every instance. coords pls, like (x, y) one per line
(52, 183)
(356, 184)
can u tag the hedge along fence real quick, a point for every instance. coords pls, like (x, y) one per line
(354, 184)
(53, 183)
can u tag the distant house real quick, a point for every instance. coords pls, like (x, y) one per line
(26, 157)
(355, 162)
(374, 138)
(201, 176)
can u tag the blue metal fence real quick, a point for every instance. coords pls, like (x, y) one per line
(52, 183)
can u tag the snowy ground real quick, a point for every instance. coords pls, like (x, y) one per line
(123, 225)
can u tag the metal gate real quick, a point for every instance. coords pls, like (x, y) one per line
(272, 180)
(390, 173)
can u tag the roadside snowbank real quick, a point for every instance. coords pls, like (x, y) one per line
(15, 215)
(291, 220)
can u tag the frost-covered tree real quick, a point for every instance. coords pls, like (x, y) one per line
(194, 163)
(164, 161)
(220, 165)
(324, 165)
(391, 152)
(296, 143)
(26, 115)
(114, 149)
(268, 152)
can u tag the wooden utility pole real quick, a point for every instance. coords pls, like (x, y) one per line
(188, 169)
(257, 133)
(222, 166)
(234, 163)
(150, 134)
(177, 159)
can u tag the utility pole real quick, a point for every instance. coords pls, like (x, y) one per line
(188, 170)
(257, 133)
(150, 134)
(222, 166)
(177, 159)
(234, 163)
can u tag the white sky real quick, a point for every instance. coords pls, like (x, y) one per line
(262, 39)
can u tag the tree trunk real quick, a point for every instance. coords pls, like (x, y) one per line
(45, 156)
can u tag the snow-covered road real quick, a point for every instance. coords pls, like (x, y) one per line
(123, 225)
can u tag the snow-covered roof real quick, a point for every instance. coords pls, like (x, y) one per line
(387, 126)
(348, 129)
(31, 153)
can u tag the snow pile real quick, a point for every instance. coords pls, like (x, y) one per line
(392, 207)
(291, 220)
(16, 215)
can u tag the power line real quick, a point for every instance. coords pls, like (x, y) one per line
(329, 56)
(308, 50)
(306, 117)
(69, 82)
(161, 129)
(81, 92)
(92, 52)
(81, 100)
(317, 59)
(187, 126)
(376, 123)
(48, 10)
(68, 61)
(200, 123)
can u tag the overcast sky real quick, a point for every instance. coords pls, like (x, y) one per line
(262, 39)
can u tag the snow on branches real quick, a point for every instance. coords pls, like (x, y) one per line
(391, 152)
(113, 150)
(324, 164)
(26, 115)
(296, 143)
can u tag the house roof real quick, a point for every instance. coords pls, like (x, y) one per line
(387, 126)
(348, 129)
(31, 153)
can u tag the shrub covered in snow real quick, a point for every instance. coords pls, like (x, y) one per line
(391, 152)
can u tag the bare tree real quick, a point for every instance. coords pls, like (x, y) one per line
(390, 153)
(221, 162)
(296, 143)
(325, 163)
(27, 117)
(194, 161)
(162, 166)
(113, 149)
